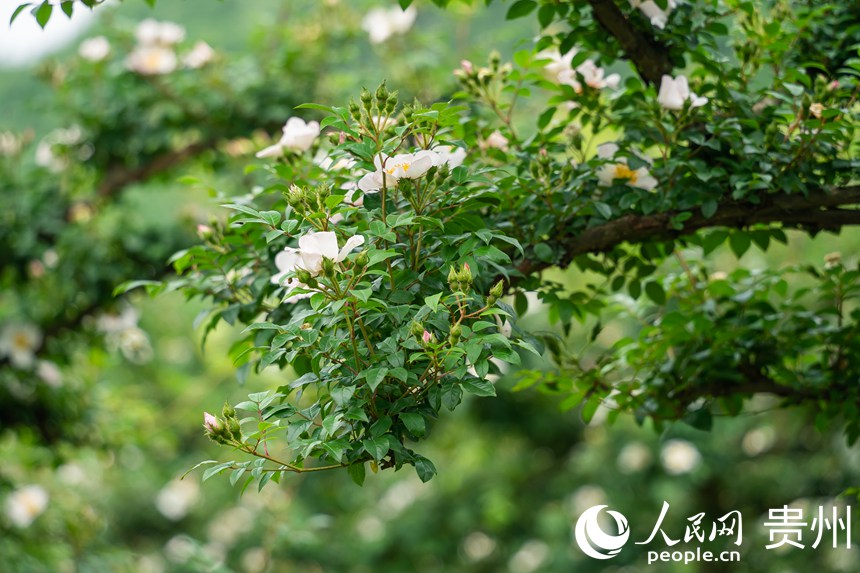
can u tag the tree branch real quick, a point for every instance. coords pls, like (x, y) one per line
(118, 177)
(649, 56)
(821, 211)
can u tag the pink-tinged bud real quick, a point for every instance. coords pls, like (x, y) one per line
(834, 84)
(466, 267)
(204, 231)
(210, 422)
(426, 337)
(467, 66)
(342, 138)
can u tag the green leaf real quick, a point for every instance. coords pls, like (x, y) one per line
(376, 447)
(655, 292)
(375, 376)
(18, 11)
(68, 8)
(414, 422)
(479, 387)
(43, 13)
(425, 469)
(740, 243)
(433, 301)
(520, 9)
(357, 472)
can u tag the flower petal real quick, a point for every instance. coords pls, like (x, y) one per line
(351, 243)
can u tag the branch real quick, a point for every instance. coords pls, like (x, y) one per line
(118, 177)
(821, 211)
(650, 57)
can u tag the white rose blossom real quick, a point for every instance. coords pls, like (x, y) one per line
(402, 165)
(313, 247)
(298, 135)
(495, 141)
(382, 23)
(674, 92)
(25, 504)
(609, 172)
(94, 49)
(653, 12)
(680, 457)
(560, 70)
(18, 343)
(200, 55)
(152, 60)
(151, 32)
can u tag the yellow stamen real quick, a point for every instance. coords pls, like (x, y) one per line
(624, 172)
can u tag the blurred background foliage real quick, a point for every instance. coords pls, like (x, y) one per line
(109, 430)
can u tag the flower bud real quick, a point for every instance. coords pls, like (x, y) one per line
(234, 428)
(354, 111)
(453, 280)
(455, 334)
(426, 337)
(211, 423)
(417, 329)
(295, 197)
(305, 277)
(381, 94)
(227, 411)
(361, 260)
(328, 267)
(498, 289)
(204, 232)
(465, 275)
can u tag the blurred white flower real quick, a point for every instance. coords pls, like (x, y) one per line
(49, 373)
(151, 60)
(18, 343)
(94, 49)
(679, 457)
(530, 557)
(254, 560)
(653, 12)
(134, 345)
(115, 323)
(758, 440)
(633, 457)
(584, 497)
(180, 548)
(816, 109)
(495, 141)
(608, 173)
(10, 144)
(593, 76)
(150, 32)
(478, 546)
(298, 136)
(45, 156)
(313, 247)
(25, 504)
(71, 474)
(390, 169)
(175, 499)
(382, 23)
(200, 55)
(675, 91)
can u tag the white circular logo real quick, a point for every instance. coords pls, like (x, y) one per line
(595, 542)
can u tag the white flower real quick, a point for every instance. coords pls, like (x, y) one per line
(115, 323)
(150, 32)
(390, 169)
(558, 64)
(25, 504)
(18, 343)
(313, 247)
(496, 141)
(608, 173)
(134, 345)
(816, 109)
(176, 498)
(94, 49)
(592, 75)
(653, 12)
(679, 457)
(151, 60)
(49, 373)
(383, 23)
(200, 55)
(675, 91)
(633, 457)
(452, 155)
(298, 136)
